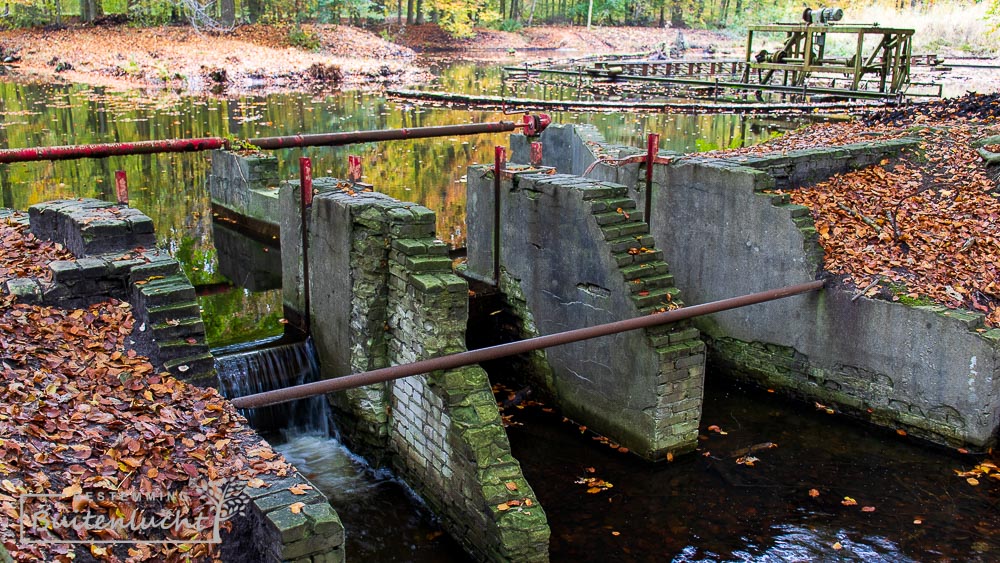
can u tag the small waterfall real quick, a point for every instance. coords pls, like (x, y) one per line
(247, 370)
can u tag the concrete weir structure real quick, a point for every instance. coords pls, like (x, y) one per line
(382, 294)
(933, 371)
(575, 253)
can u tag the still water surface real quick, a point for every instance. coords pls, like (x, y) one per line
(171, 188)
(698, 508)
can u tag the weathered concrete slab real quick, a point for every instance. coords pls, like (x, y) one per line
(933, 371)
(576, 253)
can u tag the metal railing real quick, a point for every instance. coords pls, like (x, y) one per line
(503, 350)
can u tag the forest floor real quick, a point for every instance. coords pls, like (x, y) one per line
(264, 59)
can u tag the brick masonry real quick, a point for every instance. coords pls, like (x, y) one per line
(576, 252)
(384, 295)
(933, 371)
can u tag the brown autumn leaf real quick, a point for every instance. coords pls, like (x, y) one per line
(300, 489)
(511, 486)
(296, 507)
(813, 493)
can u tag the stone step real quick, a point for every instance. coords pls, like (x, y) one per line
(180, 348)
(673, 333)
(173, 311)
(610, 218)
(637, 227)
(659, 297)
(190, 367)
(612, 204)
(622, 244)
(624, 258)
(656, 308)
(680, 349)
(603, 191)
(647, 269)
(649, 283)
(171, 289)
(179, 329)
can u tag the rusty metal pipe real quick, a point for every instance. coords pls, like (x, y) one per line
(512, 348)
(103, 150)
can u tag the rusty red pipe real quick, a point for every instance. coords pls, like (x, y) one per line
(512, 348)
(531, 124)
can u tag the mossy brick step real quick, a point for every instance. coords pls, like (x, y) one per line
(602, 191)
(618, 230)
(623, 244)
(182, 328)
(428, 264)
(661, 296)
(173, 311)
(611, 204)
(180, 348)
(673, 333)
(171, 289)
(646, 269)
(652, 310)
(188, 366)
(648, 255)
(89, 226)
(157, 265)
(648, 283)
(610, 218)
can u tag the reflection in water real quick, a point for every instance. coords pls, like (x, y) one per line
(171, 188)
(706, 507)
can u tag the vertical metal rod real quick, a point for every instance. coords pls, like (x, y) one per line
(354, 168)
(652, 148)
(305, 202)
(499, 157)
(121, 187)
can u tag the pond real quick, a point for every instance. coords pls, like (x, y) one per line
(171, 188)
(700, 507)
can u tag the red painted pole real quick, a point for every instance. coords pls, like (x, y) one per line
(532, 126)
(511, 348)
(121, 187)
(306, 199)
(652, 148)
(499, 157)
(536, 154)
(354, 168)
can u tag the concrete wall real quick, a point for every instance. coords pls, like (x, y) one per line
(247, 187)
(927, 369)
(579, 254)
(384, 294)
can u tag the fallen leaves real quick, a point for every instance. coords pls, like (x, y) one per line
(81, 414)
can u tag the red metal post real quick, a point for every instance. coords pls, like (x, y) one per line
(513, 348)
(536, 154)
(121, 187)
(499, 157)
(354, 168)
(652, 148)
(306, 199)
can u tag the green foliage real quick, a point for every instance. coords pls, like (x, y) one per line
(510, 25)
(25, 15)
(459, 17)
(303, 39)
(153, 12)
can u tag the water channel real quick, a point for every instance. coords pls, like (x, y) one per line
(697, 508)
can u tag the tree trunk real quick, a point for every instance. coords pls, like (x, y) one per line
(677, 15)
(227, 17)
(420, 12)
(409, 12)
(90, 10)
(663, 18)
